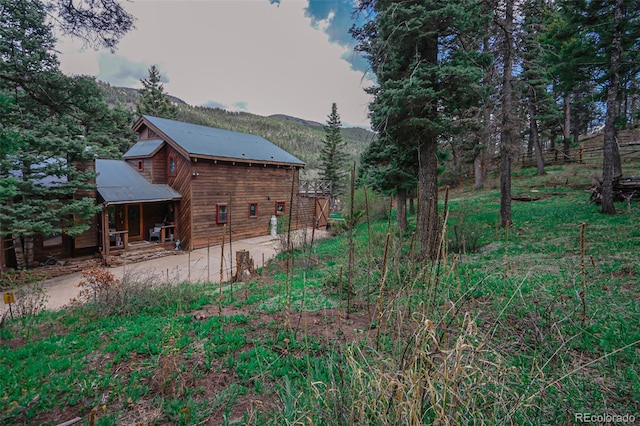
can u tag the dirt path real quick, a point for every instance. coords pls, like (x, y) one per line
(202, 265)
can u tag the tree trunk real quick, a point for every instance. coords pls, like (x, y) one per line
(506, 133)
(534, 137)
(21, 263)
(479, 165)
(401, 210)
(566, 134)
(428, 199)
(16, 240)
(29, 254)
(478, 169)
(610, 148)
(412, 206)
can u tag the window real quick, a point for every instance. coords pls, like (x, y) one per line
(253, 210)
(280, 207)
(222, 213)
(140, 165)
(172, 165)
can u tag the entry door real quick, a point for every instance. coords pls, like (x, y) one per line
(134, 221)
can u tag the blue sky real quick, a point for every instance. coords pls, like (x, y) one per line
(266, 57)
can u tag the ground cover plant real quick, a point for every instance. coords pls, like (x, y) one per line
(533, 324)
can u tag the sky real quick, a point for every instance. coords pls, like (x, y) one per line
(265, 57)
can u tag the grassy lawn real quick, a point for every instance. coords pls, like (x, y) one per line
(529, 325)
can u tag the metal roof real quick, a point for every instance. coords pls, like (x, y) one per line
(119, 183)
(144, 148)
(211, 142)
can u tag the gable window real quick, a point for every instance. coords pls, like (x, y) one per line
(253, 210)
(280, 207)
(140, 165)
(172, 165)
(222, 213)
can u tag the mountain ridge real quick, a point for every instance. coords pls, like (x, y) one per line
(302, 138)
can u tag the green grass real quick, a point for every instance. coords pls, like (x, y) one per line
(494, 332)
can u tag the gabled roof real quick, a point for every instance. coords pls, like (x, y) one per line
(119, 183)
(203, 141)
(144, 148)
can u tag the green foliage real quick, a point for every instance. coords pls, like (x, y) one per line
(51, 126)
(333, 158)
(428, 76)
(495, 335)
(153, 101)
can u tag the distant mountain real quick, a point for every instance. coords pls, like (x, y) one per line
(128, 96)
(302, 138)
(296, 120)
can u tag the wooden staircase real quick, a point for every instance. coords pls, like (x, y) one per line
(141, 254)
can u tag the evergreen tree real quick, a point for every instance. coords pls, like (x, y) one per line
(387, 168)
(599, 42)
(153, 100)
(536, 78)
(507, 130)
(333, 156)
(426, 78)
(52, 124)
(100, 23)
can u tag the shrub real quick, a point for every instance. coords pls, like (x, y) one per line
(136, 292)
(371, 204)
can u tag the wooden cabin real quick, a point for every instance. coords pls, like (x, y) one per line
(191, 183)
(228, 181)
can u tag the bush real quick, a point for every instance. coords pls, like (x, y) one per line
(377, 205)
(464, 235)
(137, 292)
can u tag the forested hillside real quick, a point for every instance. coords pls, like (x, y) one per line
(300, 137)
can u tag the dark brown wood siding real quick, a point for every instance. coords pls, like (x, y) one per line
(159, 166)
(238, 186)
(146, 166)
(181, 183)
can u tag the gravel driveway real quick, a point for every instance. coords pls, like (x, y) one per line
(202, 265)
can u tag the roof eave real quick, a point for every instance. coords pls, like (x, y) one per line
(246, 161)
(155, 200)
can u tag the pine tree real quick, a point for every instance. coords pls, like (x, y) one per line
(333, 156)
(426, 79)
(153, 100)
(51, 123)
(600, 45)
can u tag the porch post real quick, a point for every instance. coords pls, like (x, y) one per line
(176, 215)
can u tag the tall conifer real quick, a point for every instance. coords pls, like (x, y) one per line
(333, 156)
(153, 100)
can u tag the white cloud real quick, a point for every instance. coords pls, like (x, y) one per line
(252, 53)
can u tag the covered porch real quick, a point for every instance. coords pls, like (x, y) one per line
(135, 226)
(136, 213)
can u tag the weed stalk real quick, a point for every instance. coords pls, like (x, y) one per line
(351, 245)
(224, 232)
(583, 292)
(382, 281)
